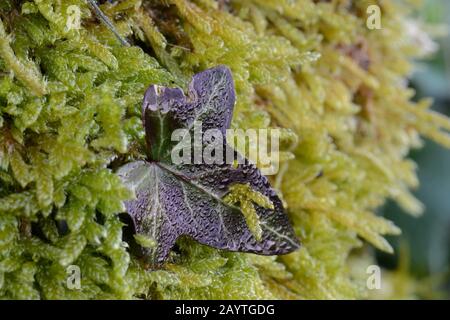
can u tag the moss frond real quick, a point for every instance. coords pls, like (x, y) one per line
(70, 100)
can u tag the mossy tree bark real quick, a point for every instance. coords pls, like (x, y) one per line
(70, 96)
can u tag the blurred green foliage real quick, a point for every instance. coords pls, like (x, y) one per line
(428, 237)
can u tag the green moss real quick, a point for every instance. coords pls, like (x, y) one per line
(70, 98)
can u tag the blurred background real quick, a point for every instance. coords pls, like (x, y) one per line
(423, 250)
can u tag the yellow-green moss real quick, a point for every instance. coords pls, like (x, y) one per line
(69, 114)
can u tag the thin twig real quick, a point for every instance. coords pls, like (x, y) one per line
(107, 22)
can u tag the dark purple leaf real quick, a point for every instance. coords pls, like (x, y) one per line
(174, 200)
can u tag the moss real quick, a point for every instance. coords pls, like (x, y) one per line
(70, 97)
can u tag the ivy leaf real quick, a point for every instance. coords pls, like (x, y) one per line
(188, 199)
